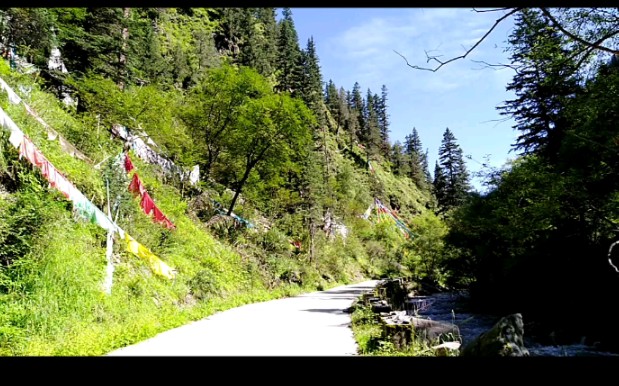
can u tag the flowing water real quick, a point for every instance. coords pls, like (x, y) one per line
(451, 307)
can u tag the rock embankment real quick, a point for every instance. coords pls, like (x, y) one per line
(397, 303)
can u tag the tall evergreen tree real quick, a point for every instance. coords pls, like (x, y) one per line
(260, 49)
(544, 83)
(439, 186)
(352, 121)
(454, 171)
(426, 168)
(343, 115)
(311, 81)
(383, 119)
(416, 158)
(235, 28)
(357, 105)
(28, 30)
(400, 166)
(331, 96)
(373, 140)
(289, 61)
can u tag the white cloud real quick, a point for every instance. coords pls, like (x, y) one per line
(444, 32)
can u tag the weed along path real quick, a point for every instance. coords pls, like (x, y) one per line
(312, 324)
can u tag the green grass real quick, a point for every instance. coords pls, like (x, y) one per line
(368, 335)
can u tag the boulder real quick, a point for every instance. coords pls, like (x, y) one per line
(504, 339)
(431, 330)
(401, 329)
(380, 306)
(394, 291)
(444, 349)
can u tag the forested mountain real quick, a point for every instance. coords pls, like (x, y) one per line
(160, 164)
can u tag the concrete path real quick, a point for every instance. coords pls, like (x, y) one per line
(313, 324)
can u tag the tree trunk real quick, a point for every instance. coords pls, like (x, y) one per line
(240, 186)
(312, 233)
(122, 60)
(248, 168)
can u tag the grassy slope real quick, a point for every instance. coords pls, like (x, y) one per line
(50, 298)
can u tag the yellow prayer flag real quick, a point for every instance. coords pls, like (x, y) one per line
(158, 266)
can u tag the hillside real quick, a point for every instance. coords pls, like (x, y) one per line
(54, 264)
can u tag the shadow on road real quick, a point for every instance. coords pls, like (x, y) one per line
(326, 310)
(356, 292)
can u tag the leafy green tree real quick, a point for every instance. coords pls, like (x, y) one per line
(268, 129)
(211, 110)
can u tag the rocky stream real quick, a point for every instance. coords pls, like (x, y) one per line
(451, 307)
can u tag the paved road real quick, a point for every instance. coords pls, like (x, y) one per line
(312, 324)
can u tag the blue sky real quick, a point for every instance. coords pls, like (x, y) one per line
(357, 45)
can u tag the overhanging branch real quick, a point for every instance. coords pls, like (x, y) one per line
(597, 44)
(510, 66)
(491, 10)
(442, 63)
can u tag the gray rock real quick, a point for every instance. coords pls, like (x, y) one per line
(402, 329)
(504, 339)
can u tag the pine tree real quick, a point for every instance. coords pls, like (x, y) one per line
(400, 165)
(234, 34)
(151, 67)
(104, 27)
(267, 24)
(311, 81)
(357, 105)
(289, 60)
(331, 96)
(453, 169)
(28, 30)
(439, 186)
(372, 135)
(426, 168)
(416, 158)
(543, 85)
(352, 121)
(383, 120)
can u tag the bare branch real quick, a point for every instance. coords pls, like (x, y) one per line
(442, 63)
(510, 66)
(492, 10)
(596, 44)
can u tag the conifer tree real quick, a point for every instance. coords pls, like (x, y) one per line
(383, 120)
(372, 129)
(453, 171)
(289, 60)
(311, 80)
(544, 83)
(357, 105)
(417, 161)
